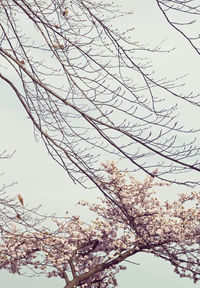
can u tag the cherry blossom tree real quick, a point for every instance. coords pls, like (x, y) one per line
(91, 254)
(88, 91)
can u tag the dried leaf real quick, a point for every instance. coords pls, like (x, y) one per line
(20, 199)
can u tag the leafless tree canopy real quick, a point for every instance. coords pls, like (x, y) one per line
(88, 91)
(181, 15)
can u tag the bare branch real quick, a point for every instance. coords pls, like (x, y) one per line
(87, 94)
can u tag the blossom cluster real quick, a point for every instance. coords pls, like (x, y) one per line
(130, 220)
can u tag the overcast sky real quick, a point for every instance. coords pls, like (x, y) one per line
(40, 180)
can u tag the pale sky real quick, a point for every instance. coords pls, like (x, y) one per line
(42, 181)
